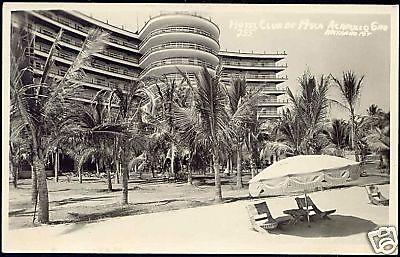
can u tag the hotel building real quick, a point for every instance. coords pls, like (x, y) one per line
(166, 42)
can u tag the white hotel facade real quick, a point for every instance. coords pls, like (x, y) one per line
(165, 42)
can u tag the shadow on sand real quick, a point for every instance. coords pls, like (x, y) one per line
(79, 199)
(337, 226)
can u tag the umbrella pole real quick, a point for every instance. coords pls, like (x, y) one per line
(308, 215)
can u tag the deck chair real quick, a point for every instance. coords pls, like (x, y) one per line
(261, 218)
(375, 196)
(314, 212)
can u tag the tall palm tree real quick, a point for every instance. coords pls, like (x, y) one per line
(237, 93)
(171, 91)
(39, 101)
(292, 134)
(350, 88)
(310, 106)
(206, 121)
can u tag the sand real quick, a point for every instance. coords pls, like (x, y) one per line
(222, 228)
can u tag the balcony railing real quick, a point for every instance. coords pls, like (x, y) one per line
(253, 76)
(174, 30)
(176, 45)
(95, 80)
(79, 44)
(268, 114)
(253, 64)
(80, 27)
(178, 61)
(273, 101)
(71, 57)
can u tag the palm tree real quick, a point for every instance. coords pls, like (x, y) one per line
(378, 136)
(338, 136)
(291, 134)
(39, 101)
(350, 89)
(310, 107)
(373, 110)
(237, 94)
(206, 121)
(170, 91)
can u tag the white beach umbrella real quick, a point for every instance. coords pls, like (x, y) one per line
(303, 173)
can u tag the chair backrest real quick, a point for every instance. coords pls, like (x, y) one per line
(251, 210)
(309, 205)
(373, 190)
(262, 208)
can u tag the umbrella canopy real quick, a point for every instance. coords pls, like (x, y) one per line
(304, 173)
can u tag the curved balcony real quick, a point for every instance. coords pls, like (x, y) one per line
(168, 66)
(179, 18)
(180, 33)
(177, 49)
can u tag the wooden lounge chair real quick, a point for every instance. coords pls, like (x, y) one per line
(261, 218)
(375, 196)
(314, 212)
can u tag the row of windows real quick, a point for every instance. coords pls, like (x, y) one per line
(78, 43)
(95, 63)
(75, 25)
(89, 78)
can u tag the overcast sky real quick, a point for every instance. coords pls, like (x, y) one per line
(300, 32)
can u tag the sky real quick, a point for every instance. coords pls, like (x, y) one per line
(300, 32)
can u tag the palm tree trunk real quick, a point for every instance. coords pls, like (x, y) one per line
(189, 176)
(109, 183)
(43, 211)
(252, 168)
(34, 185)
(218, 190)
(13, 172)
(354, 140)
(239, 182)
(117, 171)
(230, 165)
(56, 165)
(97, 168)
(125, 185)
(80, 174)
(152, 171)
(172, 160)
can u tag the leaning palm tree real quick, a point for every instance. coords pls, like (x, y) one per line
(39, 101)
(350, 89)
(206, 121)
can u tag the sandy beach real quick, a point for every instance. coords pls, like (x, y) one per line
(223, 228)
